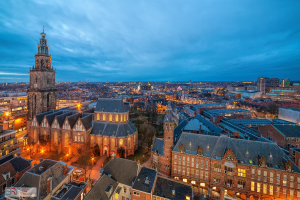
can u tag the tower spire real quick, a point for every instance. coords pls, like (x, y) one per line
(43, 28)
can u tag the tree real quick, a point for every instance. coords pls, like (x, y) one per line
(84, 160)
(151, 113)
(147, 132)
(273, 108)
(121, 152)
(96, 150)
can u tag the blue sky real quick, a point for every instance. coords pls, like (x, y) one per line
(152, 40)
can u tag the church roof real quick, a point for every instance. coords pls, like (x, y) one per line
(113, 129)
(73, 119)
(61, 118)
(87, 121)
(110, 105)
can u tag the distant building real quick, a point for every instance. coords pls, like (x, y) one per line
(264, 85)
(289, 114)
(8, 142)
(285, 82)
(286, 136)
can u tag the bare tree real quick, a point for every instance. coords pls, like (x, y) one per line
(147, 134)
(151, 113)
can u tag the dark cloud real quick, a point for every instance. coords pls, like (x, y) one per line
(153, 40)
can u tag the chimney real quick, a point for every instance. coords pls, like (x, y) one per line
(49, 184)
(65, 169)
(236, 135)
(138, 168)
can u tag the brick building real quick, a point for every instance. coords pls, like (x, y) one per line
(8, 142)
(285, 136)
(12, 168)
(243, 168)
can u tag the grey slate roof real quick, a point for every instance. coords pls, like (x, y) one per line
(40, 117)
(110, 105)
(98, 190)
(50, 117)
(20, 163)
(113, 129)
(121, 170)
(164, 187)
(38, 178)
(73, 119)
(87, 121)
(244, 150)
(179, 128)
(145, 174)
(61, 118)
(288, 130)
(212, 128)
(158, 145)
(6, 158)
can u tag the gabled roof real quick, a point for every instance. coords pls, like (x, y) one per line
(121, 170)
(4, 168)
(61, 118)
(164, 188)
(212, 128)
(246, 151)
(158, 146)
(6, 158)
(110, 105)
(87, 121)
(98, 190)
(288, 130)
(145, 180)
(73, 119)
(20, 164)
(179, 128)
(40, 117)
(50, 117)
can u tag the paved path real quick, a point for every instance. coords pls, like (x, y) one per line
(95, 171)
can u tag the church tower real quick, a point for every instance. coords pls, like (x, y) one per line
(42, 93)
(168, 140)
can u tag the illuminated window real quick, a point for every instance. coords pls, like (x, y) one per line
(121, 118)
(75, 138)
(184, 180)
(104, 117)
(271, 190)
(258, 187)
(202, 184)
(81, 138)
(187, 198)
(11, 142)
(121, 143)
(176, 178)
(98, 116)
(193, 182)
(117, 118)
(252, 186)
(265, 188)
(242, 172)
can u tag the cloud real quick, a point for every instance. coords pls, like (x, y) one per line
(153, 40)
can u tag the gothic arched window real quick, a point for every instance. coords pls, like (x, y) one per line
(55, 138)
(121, 143)
(117, 117)
(66, 140)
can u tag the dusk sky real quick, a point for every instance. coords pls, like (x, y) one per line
(152, 40)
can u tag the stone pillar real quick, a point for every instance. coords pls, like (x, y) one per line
(222, 193)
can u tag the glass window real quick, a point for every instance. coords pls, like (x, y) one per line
(271, 190)
(242, 172)
(258, 187)
(252, 186)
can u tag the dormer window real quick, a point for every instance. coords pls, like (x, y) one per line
(182, 149)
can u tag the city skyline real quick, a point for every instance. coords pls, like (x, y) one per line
(105, 41)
